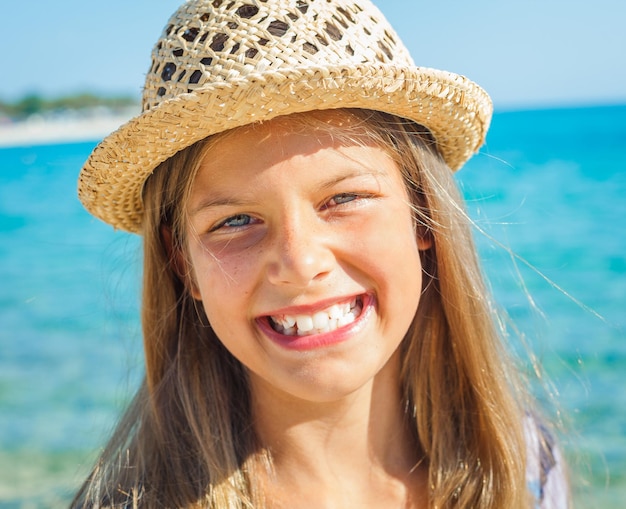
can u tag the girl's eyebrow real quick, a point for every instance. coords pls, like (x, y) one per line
(223, 201)
(219, 201)
(362, 171)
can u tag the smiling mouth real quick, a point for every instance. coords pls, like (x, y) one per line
(326, 320)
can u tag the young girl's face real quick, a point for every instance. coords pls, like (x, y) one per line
(304, 254)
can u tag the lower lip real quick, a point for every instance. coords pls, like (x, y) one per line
(326, 339)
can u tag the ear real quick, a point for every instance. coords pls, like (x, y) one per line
(178, 263)
(424, 240)
(424, 235)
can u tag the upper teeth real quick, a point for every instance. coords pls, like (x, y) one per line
(337, 315)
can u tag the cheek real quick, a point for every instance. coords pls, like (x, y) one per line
(220, 274)
(396, 253)
(224, 284)
(393, 241)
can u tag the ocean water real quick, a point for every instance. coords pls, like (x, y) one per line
(547, 193)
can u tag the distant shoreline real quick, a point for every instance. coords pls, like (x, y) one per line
(94, 126)
(64, 129)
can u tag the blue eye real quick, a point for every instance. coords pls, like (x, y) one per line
(234, 222)
(237, 221)
(339, 199)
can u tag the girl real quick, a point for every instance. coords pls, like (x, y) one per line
(316, 330)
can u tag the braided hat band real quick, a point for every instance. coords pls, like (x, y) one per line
(221, 64)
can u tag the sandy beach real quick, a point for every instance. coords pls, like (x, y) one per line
(71, 128)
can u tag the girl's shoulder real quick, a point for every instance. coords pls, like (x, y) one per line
(545, 471)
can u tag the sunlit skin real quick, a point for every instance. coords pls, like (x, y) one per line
(286, 221)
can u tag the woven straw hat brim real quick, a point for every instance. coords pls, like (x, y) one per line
(453, 108)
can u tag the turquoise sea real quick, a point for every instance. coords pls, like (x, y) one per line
(548, 193)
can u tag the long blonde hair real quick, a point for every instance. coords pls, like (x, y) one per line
(187, 439)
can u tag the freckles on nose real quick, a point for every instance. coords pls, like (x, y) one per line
(299, 257)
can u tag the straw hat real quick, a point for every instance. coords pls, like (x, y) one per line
(221, 64)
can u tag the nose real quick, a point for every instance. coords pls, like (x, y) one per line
(300, 253)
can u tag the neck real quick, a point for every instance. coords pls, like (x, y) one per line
(359, 446)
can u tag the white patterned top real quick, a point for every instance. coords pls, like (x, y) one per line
(545, 471)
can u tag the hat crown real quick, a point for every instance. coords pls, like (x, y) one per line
(208, 42)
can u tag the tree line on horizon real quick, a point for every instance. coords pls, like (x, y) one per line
(35, 104)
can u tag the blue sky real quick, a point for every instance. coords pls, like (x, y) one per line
(526, 53)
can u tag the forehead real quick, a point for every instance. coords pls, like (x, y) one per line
(286, 136)
(310, 147)
(343, 126)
